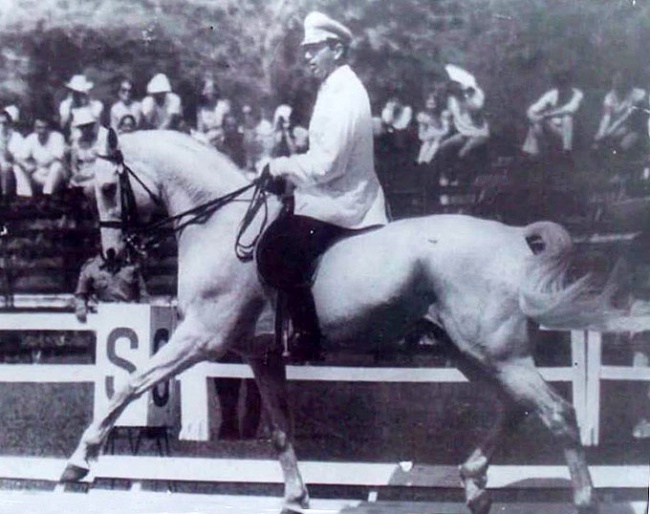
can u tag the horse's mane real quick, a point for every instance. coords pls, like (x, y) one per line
(176, 157)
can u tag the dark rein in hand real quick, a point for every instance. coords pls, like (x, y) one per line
(142, 237)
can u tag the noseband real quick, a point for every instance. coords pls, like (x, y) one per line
(141, 237)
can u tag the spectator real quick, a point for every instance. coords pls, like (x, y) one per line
(11, 143)
(108, 279)
(126, 105)
(551, 117)
(264, 137)
(289, 138)
(127, 124)
(232, 141)
(622, 125)
(462, 151)
(41, 162)
(210, 114)
(641, 359)
(248, 130)
(88, 141)
(79, 96)
(161, 109)
(396, 116)
(434, 124)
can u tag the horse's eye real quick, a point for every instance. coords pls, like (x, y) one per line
(109, 190)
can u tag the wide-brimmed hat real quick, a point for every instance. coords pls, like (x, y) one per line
(12, 111)
(83, 116)
(80, 84)
(319, 27)
(159, 84)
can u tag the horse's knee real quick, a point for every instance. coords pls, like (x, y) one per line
(562, 422)
(280, 440)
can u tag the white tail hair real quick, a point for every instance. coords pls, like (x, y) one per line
(546, 296)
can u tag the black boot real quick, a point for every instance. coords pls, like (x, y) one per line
(305, 342)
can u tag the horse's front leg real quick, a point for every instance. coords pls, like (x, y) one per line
(182, 351)
(270, 374)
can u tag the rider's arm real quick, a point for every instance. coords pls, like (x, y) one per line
(330, 139)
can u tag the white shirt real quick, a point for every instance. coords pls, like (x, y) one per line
(44, 155)
(66, 110)
(336, 180)
(120, 109)
(157, 116)
(549, 102)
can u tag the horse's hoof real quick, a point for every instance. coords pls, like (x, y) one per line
(480, 503)
(73, 473)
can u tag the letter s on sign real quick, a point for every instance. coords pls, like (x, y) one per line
(111, 352)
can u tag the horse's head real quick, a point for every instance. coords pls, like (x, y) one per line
(123, 195)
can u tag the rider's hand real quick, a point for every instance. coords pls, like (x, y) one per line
(271, 184)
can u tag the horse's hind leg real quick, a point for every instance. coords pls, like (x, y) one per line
(526, 386)
(473, 471)
(271, 378)
(181, 352)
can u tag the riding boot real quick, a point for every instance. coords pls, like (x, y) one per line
(305, 342)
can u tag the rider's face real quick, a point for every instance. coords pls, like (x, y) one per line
(321, 58)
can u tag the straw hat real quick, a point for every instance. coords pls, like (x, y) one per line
(80, 84)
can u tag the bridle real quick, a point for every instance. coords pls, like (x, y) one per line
(141, 237)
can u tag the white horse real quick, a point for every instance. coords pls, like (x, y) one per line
(480, 280)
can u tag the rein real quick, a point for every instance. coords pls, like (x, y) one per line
(142, 237)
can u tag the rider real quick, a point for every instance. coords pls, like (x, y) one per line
(336, 188)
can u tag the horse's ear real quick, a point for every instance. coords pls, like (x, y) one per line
(111, 142)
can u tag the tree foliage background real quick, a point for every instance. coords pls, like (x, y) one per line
(252, 47)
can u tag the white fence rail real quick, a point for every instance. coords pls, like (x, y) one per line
(585, 374)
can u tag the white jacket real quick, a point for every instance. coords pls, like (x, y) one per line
(336, 180)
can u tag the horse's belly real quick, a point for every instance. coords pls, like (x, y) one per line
(369, 301)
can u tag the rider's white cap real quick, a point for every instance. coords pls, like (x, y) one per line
(319, 27)
(159, 84)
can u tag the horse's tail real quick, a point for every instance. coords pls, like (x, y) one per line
(546, 296)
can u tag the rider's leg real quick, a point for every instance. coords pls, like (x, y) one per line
(286, 259)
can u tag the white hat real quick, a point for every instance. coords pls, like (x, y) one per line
(12, 111)
(319, 27)
(80, 84)
(82, 116)
(159, 84)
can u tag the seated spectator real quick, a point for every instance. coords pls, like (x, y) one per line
(551, 117)
(11, 143)
(289, 138)
(41, 162)
(210, 114)
(434, 124)
(127, 124)
(231, 141)
(622, 126)
(396, 118)
(264, 137)
(125, 105)
(88, 141)
(79, 96)
(471, 132)
(395, 115)
(248, 130)
(109, 279)
(161, 109)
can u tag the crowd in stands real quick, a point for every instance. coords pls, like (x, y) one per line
(447, 138)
